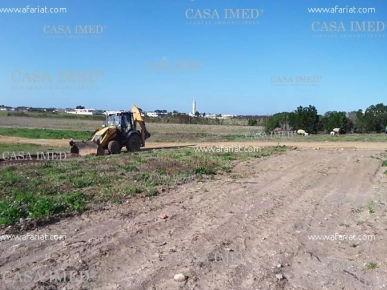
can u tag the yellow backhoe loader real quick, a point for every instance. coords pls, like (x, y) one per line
(119, 130)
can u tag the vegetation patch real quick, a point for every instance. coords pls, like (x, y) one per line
(15, 151)
(371, 265)
(75, 185)
(45, 133)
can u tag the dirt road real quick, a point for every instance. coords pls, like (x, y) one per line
(150, 145)
(247, 232)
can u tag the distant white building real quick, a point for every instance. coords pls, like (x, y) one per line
(82, 112)
(153, 114)
(212, 116)
(227, 116)
(209, 116)
(7, 109)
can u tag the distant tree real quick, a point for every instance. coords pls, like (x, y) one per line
(360, 124)
(305, 118)
(374, 119)
(352, 116)
(204, 114)
(79, 107)
(379, 112)
(334, 119)
(175, 112)
(197, 114)
(278, 120)
(320, 127)
(252, 122)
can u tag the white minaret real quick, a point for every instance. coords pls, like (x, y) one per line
(193, 107)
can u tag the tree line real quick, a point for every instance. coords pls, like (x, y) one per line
(373, 119)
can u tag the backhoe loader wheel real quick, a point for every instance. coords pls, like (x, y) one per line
(134, 143)
(114, 147)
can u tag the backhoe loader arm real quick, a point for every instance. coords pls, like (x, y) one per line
(137, 118)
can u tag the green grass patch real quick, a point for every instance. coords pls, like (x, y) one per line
(53, 116)
(30, 205)
(45, 133)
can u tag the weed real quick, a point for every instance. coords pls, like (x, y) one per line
(226, 168)
(118, 201)
(45, 207)
(203, 170)
(370, 207)
(10, 179)
(134, 190)
(371, 265)
(152, 192)
(227, 156)
(75, 201)
(129, 168)
(80, 182)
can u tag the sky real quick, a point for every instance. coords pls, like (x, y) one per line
(244, 57)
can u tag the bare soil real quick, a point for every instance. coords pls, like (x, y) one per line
(246, 230)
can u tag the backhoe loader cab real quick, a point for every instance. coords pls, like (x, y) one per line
(121, 120)
(119, 130)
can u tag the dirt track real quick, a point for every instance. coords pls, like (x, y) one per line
(227, 233)
(150, 145)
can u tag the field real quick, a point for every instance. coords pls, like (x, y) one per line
(57, 128)
(299, 213)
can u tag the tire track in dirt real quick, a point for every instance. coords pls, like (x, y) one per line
(328, 213)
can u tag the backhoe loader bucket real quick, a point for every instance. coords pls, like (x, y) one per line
(84, 148)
